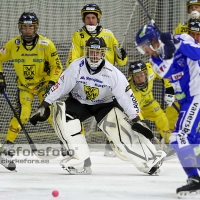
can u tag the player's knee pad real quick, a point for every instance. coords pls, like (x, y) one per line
(68, 130)
(136, 147)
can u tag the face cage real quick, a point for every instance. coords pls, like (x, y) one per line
(95, 56)
(28, 38)
(141, 85)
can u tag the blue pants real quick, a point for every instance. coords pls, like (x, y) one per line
(186, 136)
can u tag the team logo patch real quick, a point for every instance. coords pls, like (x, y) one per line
(17, 41)
(29, 72)
(91, 92)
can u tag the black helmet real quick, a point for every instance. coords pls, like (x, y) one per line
(138, 67)
(28, 18)
(91, 8)
(194, 25)
(95, 51)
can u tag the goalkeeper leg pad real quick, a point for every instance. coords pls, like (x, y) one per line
(137, 148)
(75, 142)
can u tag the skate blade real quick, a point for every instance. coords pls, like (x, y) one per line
(189, 194)
(73, 171)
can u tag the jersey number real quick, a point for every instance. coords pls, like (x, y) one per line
(18, 48)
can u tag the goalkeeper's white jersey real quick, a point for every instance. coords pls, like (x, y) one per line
(92, 89)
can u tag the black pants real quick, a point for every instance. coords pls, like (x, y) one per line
(84, 111)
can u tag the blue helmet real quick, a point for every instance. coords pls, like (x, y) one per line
(147, 32)
(145, 35)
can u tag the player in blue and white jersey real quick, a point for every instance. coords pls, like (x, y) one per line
(176, 58)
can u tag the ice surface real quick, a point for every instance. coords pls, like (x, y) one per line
(112, 179)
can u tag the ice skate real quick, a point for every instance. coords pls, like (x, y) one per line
(75, 166)
(156, 163)
(191, 189)
(6, 156)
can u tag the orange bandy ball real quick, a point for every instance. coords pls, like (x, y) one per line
(55, 193)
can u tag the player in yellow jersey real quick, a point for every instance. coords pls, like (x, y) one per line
(38, 67)
(141, 80)
(91, 14)
(193, 9)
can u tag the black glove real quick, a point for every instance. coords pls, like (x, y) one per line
(42, 114)
(50, 84)
(142, 128)
(169, 47)
(121, 53)
(2, 83)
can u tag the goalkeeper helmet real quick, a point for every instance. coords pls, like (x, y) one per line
(91, 8)
(95, 51)
(144, 37)
(192, 2)
(30, 20)
(138, 72)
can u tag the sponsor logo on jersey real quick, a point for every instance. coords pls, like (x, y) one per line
(29, 72)
(3, 50)
(38, 60)
(107, 31)
(26, 54)
(41, 49)
(54, 54)
(128, 88)
(17, 41)
(177, 76)
(107, 69)
(101, 86)
(82, 77)
(81, 63)
(62, 78)
(181, 62)
(105, 75)
(91, 92)
(188, 123)
(135, 103)
(58, 64)
(55, 87)
(17, 60)
(43, 42)
(93, 79)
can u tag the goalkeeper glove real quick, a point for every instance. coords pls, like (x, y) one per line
(142, 128)
(121, 53)
(169, 99)
(42, 114)
(2, 83)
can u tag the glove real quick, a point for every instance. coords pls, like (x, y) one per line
(50, 84)
(121, 53)
(2, 83)
(169, 47)
(42, 114)
(169, 99)
(142, 128)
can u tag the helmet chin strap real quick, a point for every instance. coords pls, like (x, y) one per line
(91, 28)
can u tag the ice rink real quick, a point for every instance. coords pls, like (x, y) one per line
(112, 179)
